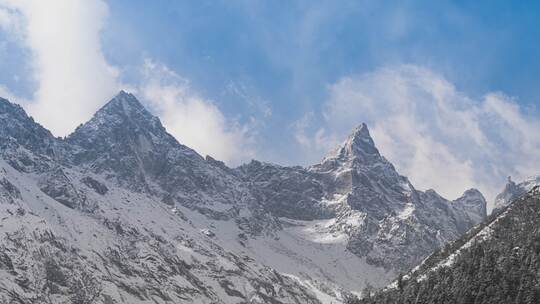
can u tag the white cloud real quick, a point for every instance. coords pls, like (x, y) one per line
(7, 21)
(68, 65)
(437, 136)
(74, 79)
(193, 120)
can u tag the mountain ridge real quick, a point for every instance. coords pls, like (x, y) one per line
(122, 184)
(495, 262)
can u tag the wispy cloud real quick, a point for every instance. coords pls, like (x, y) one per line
(438, 136)
(252, 100)
(193, 120)
(434, 133)
(74, 79)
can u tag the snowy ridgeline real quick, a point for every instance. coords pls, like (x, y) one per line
(496, 262)
(120, 212)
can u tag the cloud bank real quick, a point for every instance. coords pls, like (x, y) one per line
(436, 135)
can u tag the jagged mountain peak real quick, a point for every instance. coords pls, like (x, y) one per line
(123, 111)
(360, 136)
(358, 145)
(474, 204)
(125, 138)
(129, 187)
(123, 121)
(124, 102)
(359, 153)
(513, 190)
(19, 129)
(473, 194)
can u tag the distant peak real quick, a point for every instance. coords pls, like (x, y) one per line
(510, 184)
(359, 143)
(358, 146)
(362, 128)
(509, 180)
(123, 95)
(360, 135)
(474, 203)
(473, 193)
(472, 196)
(123, 111)
(124, 101)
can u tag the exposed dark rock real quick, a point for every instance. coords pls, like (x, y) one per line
(94, 184)
(58, 186)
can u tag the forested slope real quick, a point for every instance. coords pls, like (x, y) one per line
(500, 263)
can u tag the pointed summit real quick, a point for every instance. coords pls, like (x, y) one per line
(474, 204)
(360, 142)
(358, 154)
(512, 191)
(125, 103)
(359, 145)
(123, 112)
(124, 124)
(123, 137)
(360, 132)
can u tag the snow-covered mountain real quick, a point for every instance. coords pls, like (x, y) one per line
(495, 262)
(120, 209)
(513, 190)
(364, 202)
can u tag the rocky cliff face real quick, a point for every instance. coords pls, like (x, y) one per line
(122, 206)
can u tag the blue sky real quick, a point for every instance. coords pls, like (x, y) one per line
(284, 81)
(286, 53)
